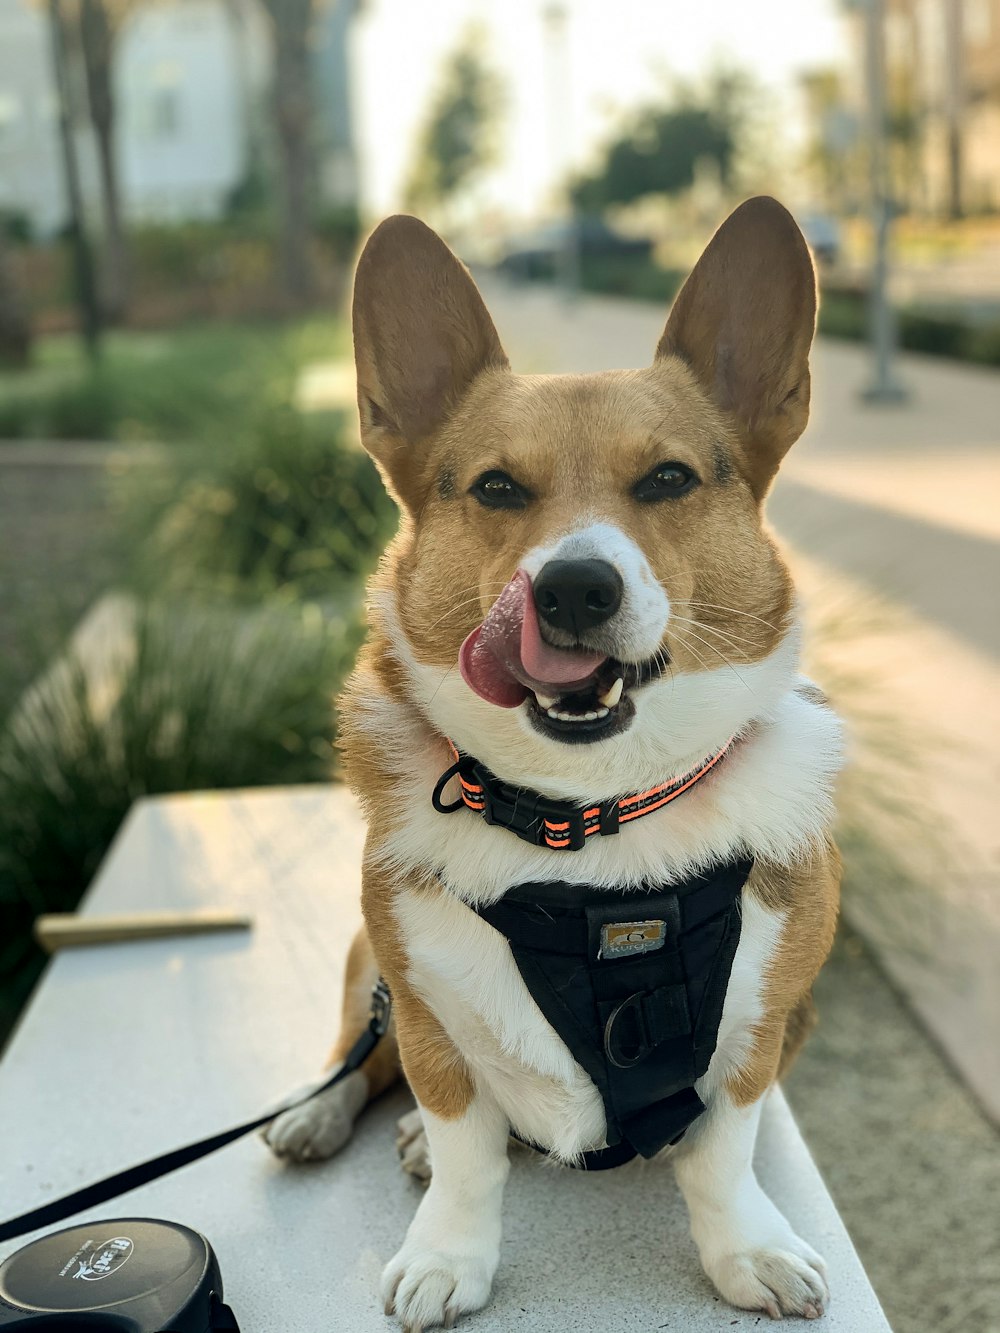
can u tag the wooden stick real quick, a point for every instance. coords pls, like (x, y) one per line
(66, 930)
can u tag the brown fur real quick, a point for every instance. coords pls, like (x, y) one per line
(808, 893)
(433, 1066)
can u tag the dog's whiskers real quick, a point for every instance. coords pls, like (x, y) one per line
(715, 606)
(711, 646)
(732, 639)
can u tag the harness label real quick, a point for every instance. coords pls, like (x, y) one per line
(630, 937)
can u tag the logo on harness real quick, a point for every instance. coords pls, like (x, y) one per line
(629, 937)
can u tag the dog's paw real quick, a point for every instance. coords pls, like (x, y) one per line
(319, 1127)
(427, 1288)
(788, 1279)
(412, 1146)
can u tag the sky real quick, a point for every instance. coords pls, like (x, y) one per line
(617, 53)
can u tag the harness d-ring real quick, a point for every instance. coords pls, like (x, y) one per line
(620, 1058)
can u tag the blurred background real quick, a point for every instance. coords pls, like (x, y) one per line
(186, 518)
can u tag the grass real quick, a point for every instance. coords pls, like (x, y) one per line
(196, 384)
(185, 699)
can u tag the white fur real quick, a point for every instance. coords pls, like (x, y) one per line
(320, 1126)
(747, 1246)
(447, 1262)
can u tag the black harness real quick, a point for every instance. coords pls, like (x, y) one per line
(633, 983)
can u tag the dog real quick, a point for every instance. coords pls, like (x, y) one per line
(583, 620)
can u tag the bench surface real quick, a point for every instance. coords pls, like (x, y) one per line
(128, 1050)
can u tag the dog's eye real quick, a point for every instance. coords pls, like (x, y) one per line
(496, 490)
(666, 482)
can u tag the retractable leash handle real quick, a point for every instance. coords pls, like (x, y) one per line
(90, 1196)
(135, 1275)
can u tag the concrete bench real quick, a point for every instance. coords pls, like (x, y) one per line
(127, 1050)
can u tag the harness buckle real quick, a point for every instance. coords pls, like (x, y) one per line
(381, 1009)
(540, 820)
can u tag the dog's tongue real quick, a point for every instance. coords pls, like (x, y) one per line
(505, 656)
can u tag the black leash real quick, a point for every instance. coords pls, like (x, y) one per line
(134, 1176)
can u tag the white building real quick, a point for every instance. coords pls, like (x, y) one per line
(187, 77)
(30, 173)
(191, 83)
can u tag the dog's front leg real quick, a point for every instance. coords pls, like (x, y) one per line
(450, 1254)
(747, 1246)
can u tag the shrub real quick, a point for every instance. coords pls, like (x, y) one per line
(294, 508)
(202, 383)
(77, 410)
(187, 701)
(629, 275)
(843, 313)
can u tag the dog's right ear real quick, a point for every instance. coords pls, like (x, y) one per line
(421, 336)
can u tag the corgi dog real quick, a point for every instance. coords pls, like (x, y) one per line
(583, 620)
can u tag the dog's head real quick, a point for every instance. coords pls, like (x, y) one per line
(583, 591)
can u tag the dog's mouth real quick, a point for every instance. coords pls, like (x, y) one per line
(603, 709)
(573, 694)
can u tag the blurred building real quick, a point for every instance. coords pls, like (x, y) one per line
(30, 179)
(189, 76)
(191, 82)
(943, 100)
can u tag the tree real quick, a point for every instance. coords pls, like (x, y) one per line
(458, 140)
(99, 24)
(661, 148)
(291, 94)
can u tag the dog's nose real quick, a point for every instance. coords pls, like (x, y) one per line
(577, 595)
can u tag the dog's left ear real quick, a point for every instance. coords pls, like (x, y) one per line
(421, 336)
(744, 322)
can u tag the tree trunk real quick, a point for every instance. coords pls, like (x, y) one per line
(98, 51)
(90, 322)
(15, 330)
(292, 100)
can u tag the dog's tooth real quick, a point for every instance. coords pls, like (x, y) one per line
(590, 717)
(611, 697)
(547, 701)
(552, 712)
(603, 712)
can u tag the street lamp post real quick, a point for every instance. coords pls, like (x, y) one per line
(885, 386)
(555, 15)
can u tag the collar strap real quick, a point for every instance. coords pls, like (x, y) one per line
(547, 822)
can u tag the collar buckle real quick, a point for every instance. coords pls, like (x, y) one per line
(540, 820)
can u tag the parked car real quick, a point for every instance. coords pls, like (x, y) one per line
(536, 254)
(822, 234)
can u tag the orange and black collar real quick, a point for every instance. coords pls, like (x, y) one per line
(547, 822)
